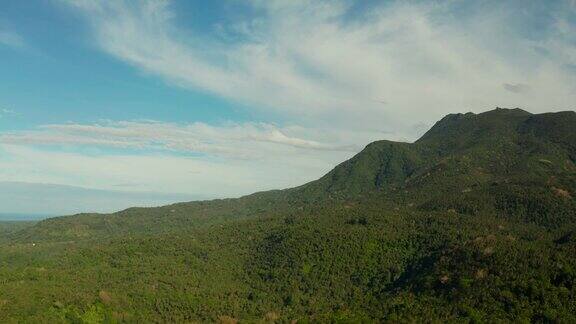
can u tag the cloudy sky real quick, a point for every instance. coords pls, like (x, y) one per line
(146, 102)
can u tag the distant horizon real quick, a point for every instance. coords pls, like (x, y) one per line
(15, 217)
(24, 198)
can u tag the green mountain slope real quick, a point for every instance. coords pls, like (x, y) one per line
(475, 221)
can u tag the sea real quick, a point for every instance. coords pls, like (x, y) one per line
(12, 217)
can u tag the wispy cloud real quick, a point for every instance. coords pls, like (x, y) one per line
(206, 176)
(310, 61)
(230, 140)
(517, 87)
(11, 39)
(229, 159)
(6, 112)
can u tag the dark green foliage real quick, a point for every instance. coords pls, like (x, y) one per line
(381, 164)
(474, 222)
(8, 228)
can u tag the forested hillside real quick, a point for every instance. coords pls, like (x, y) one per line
(475, 221)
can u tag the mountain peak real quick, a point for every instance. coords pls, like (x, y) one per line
(455, 130)
(502, 131)
(498, 111)
(503, 110)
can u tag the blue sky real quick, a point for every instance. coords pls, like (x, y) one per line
(223, 98)
(59, 75)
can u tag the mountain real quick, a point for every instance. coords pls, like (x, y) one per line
(474, 221)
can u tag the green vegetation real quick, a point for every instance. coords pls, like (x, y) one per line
(474, 222)
(8, 228)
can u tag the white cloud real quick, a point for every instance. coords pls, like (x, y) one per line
(205, 176)
(226, 160)
(231, 140)
(230, 159)
(305, 60)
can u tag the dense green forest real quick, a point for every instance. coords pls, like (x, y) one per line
(7, 228)
(474, 222)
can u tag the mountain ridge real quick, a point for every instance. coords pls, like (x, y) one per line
(474, 222)
(391, 166)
